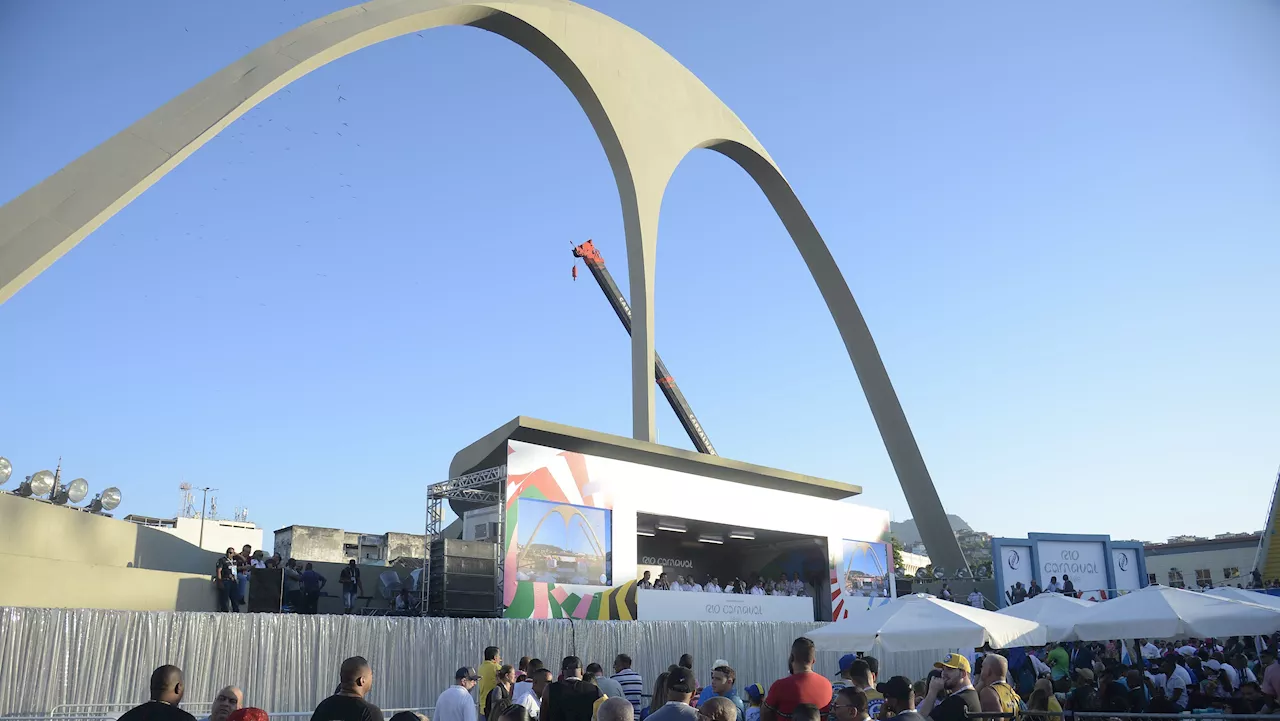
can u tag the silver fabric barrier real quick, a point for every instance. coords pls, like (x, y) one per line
(286, 662)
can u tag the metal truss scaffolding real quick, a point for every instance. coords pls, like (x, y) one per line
(463, 488)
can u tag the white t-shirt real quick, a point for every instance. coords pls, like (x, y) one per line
(693, 587)
(675, 586)
(1187, 650)
(1053, 588)
(1183, 674)
(1171, 684)
(713, 588)
(455, 704)
(975, 599)
(526, 697)
(1232, 675)
(1150, 651)
(757, 591)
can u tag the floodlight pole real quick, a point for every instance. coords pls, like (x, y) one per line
(203, 498)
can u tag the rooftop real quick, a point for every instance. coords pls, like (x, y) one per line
(491, 450)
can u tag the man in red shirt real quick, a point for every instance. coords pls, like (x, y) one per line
(801, 687)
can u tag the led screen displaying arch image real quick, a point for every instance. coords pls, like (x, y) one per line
(563, 543)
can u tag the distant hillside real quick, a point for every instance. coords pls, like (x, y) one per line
(907, 532)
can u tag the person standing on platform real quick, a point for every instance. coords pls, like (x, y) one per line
(713, 585)
(630, 681)
(349, 578)
(312, 582)
(803, 686)
(645, 582)
(224, 579)
(455, 703)
(243, 565)
(488, 676)
(167, 688)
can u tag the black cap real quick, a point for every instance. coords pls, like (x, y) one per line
(898, 687)
(467, 673)
(680, 680)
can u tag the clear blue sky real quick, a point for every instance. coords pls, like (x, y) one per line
(1061, 223)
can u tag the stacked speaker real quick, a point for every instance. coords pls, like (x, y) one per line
(464, 578)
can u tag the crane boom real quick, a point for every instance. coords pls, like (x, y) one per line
(595, 263)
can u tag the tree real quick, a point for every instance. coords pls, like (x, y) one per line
(897, 547)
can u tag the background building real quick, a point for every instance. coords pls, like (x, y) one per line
(218, 535)
(1191, 561)
(334, 545)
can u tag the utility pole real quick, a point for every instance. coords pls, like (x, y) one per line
(203, 499)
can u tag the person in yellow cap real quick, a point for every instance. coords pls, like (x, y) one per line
(961, 699)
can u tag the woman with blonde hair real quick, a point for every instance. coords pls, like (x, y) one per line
(1043, 699)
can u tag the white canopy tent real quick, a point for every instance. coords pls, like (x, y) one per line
(1240, 594)
(1168, 613)
(1056, 612)
(920, 622)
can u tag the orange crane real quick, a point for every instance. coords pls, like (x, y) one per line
(595, 263)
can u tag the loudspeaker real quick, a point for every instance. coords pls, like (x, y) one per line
(463, 578)
(266, 587)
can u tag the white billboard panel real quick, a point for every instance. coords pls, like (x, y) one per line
(1085, 562)
(1018, 566)
(1125, 567)
(680, 606)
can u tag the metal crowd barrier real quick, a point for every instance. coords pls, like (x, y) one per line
(112, 712)
(1185, 716)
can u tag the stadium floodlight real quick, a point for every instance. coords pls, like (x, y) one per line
(74, 492)
(6, 470)
(672, 526)
(37, 484)
(645, 531)
(704, 538)
(939, 573)
(739, 534)
(105, 501)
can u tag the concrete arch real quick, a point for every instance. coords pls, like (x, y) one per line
(647, 109)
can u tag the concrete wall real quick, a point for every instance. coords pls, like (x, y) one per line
(56, 556)
(218, 535)
(1215, 560)
(311, 543)
(401, 545)
(49, 583)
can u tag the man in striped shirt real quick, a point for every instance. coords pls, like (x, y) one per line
(630, 681)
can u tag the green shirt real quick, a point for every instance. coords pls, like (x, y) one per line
(1058, 662)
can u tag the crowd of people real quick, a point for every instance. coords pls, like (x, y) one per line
(760, 586)
(1237, 676)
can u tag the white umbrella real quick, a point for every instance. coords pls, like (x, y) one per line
(921, 622)
(1240, 594)
(1164, 612)
(1056, 612)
